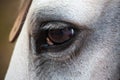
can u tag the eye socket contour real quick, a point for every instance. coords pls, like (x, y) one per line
(57, 39)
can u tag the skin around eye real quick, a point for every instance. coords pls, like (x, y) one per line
(57, 40)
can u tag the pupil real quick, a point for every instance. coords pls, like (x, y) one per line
(58, 36)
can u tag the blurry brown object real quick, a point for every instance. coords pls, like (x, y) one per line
(19, 21)
(8, 13)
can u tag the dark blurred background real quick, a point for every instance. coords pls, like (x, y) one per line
(8, 13)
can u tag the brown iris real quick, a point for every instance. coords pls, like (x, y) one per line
(59, 36)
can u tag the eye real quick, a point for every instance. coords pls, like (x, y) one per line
(53, 36)
(57, 39)
(59, 36)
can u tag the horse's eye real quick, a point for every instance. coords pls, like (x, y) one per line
(59, 36)
(57, 40)
(53, 37)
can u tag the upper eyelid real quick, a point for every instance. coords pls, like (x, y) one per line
(62, 24)
(50, 25)
(56, 25)
(37, 19)
(37, 24)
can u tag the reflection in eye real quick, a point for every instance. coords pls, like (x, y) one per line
(59, 36)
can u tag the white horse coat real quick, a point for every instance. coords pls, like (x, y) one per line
(95, 51)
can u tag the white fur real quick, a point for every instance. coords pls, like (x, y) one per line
(80, 12)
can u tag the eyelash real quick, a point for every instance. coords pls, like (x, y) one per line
(59, 52)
